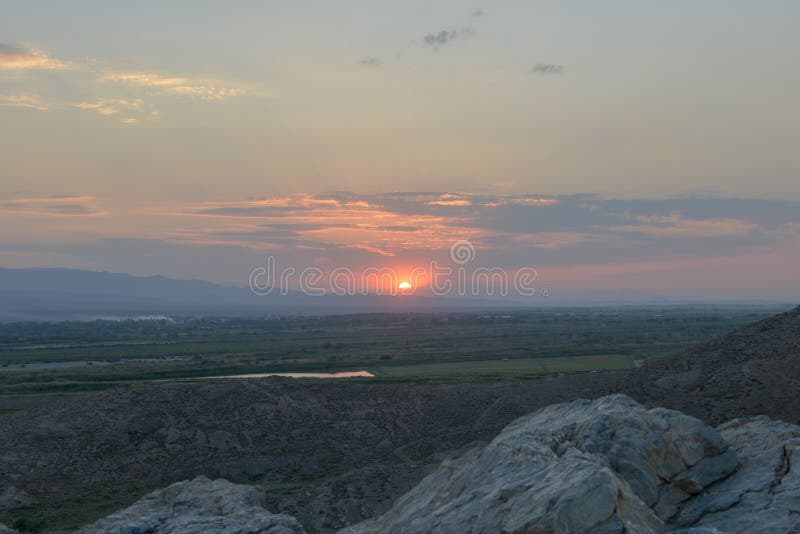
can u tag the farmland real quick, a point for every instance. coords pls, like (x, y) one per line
(398, 348)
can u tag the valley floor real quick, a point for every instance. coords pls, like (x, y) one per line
(333, 452)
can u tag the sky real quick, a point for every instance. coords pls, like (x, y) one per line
(624, 145)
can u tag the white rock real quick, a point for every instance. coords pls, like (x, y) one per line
(199, 505)
(763, 495)
(577, 467)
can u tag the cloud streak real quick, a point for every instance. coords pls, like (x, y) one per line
(675, 225)
(370, 62)
(173, 85)
(548, 69)
(56, 206)
(30, 101)
(127, 111)
(18, 58)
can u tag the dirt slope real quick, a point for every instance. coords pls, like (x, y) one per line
(753, 371)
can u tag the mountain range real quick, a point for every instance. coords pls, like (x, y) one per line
(52, 294)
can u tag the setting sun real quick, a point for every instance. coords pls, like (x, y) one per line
(404, 285)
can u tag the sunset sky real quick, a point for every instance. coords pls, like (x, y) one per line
(618, 145)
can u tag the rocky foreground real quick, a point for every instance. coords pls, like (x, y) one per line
(602, 466)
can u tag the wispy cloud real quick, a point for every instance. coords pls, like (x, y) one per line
(450, 199)
(675, 225)
(120, 108)
(371, 62)
(547, 69)
(325, 221)
(109, 107)
(144, 79)
(438, 39)
(109, 91)
(174, 85)
(31, 101)
(16, 57)
(57, 206)
(523, 200)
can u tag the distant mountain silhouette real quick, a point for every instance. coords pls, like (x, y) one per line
(57, 294)
(79, 282)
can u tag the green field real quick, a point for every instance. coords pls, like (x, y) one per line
(407, 347)
(503, 369)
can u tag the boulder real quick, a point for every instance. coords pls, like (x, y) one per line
(763, 495)
(199, 505)
(608, 465)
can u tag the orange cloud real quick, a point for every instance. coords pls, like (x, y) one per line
(450, 203)
(23, 101)
(174, 85)
(341, 223)
(115, 106)
(13, 57)
(451, 200)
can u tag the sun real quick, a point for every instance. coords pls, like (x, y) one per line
(404, 285)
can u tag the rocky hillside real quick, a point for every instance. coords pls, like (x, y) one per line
(753, 371)
(335, 453)
(607, 466)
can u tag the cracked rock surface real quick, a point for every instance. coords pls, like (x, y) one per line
(611, 465)
(763, 495)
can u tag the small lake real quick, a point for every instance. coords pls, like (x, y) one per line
(39, 366)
